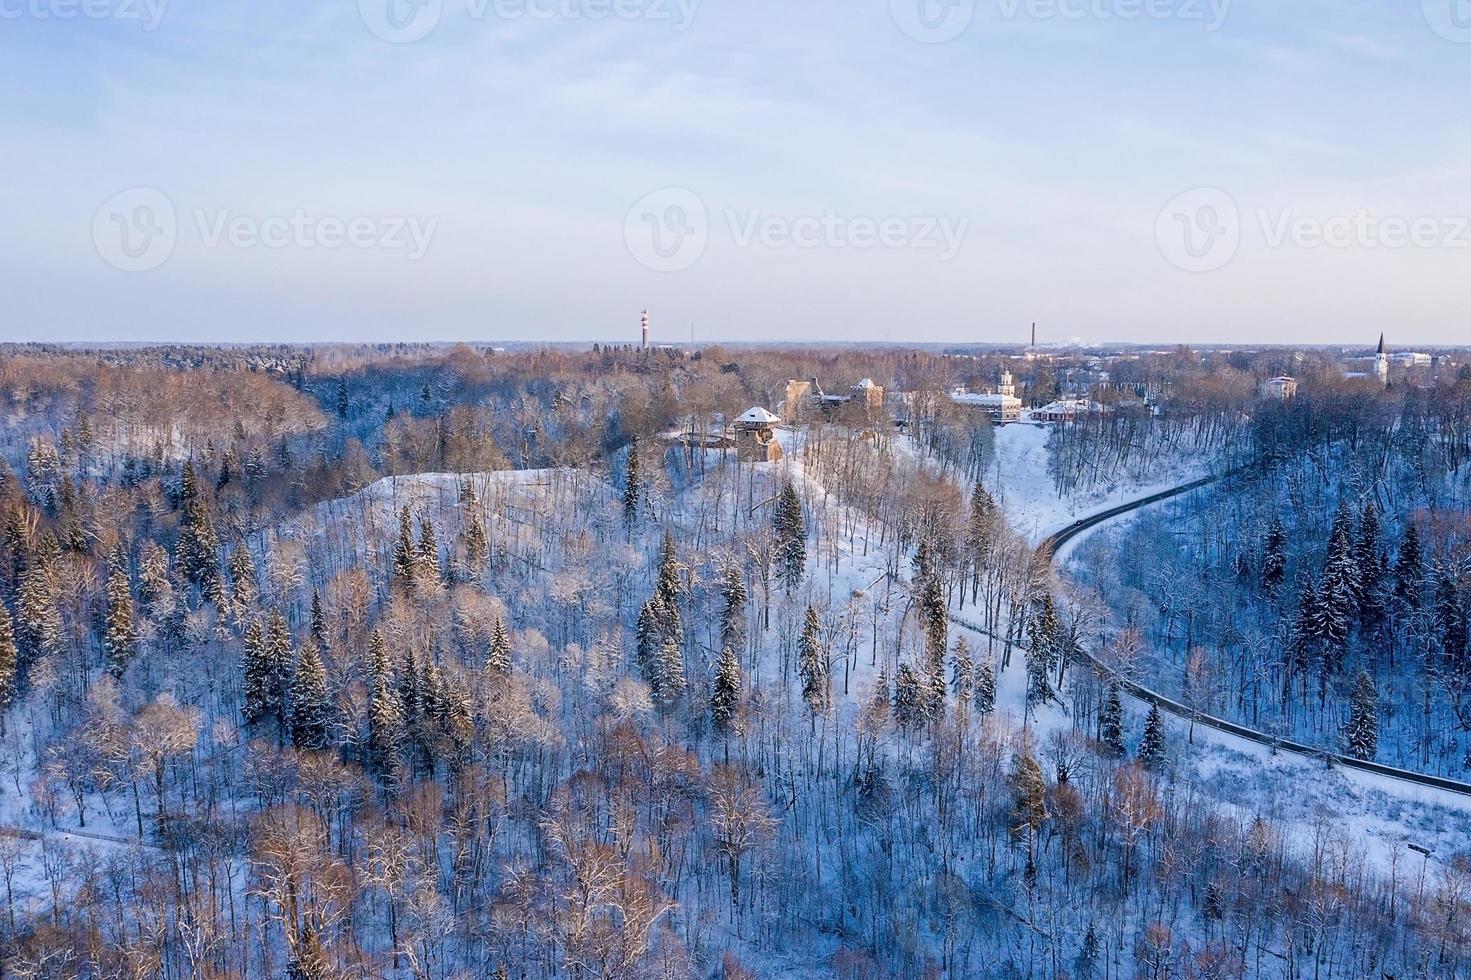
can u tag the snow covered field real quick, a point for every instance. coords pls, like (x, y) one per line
(1022, 484)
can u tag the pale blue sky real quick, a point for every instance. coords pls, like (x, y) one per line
(1049, 140)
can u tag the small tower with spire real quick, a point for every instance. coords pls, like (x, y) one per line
(1381, 363)
(646, 330)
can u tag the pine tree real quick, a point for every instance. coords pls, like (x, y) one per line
(670, 672)
(1274, 557)
(963, 672)
(120, 639)
(908, 699)
(311, 705)
(667, 587)
(9, 662)
(726, 698)
(244, 587)
(405, 556)
(1451, 626)
(1111, 723)
(633, 487)
(385, 723)
(1086, 965)
(155, 585)
(812, 666)
(1361, 734)
(1338, 594)
(197, 551)
(267, 667)
(649, 636)
(936, 629)
(1152, 750)
(733, 618)
(428, 556)
(256, 668)
(318, 628)
(38, 627)
(1409, 571)
(791, 539)
(985, 687)
(477, 548)
(498, 659)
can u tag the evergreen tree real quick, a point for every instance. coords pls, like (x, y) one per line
(1451, 626)
(633, 487)
(812, 666)
(38, 628)
(963, 672)
(726, 698)
(1361, 734)
(733, 618)
(985, 687)
(498, 659)
(256, 668)
(667, 588)
(1368, 562)
(908, 699)
(1409, 571)
(405, 555)
(1086, 965)
(1307, 631)
(650, 636)
(1152, 751)
(1338, 594)
(936, 631)
(311, 705)
(9, 663)
(1111, 723)
(670, 672)
(1274, 557)
(428, 555)
(477, 548)
(244, 587)
(791, 539)
(318, 626)
(155, 585)
(197, 551)
(267, 666)
(120, 639)
(385, 722)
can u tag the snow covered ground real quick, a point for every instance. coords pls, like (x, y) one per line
(1021, 482)
(1373, 817)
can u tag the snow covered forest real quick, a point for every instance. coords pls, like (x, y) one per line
(440, 663)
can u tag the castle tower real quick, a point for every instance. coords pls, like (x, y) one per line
(1381, 363)
(646, 330)
(1007, 387)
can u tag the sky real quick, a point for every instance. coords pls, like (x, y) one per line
(1182, 171)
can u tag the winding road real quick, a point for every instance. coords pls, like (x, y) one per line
(1141, 693)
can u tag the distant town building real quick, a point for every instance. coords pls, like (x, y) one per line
(1001, 406)
(755, 435)
(1280, 388)
(646, 330)
(806, 398)
(1381, 363)
(1066, 410)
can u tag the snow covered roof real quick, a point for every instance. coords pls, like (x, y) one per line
(758, 416)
